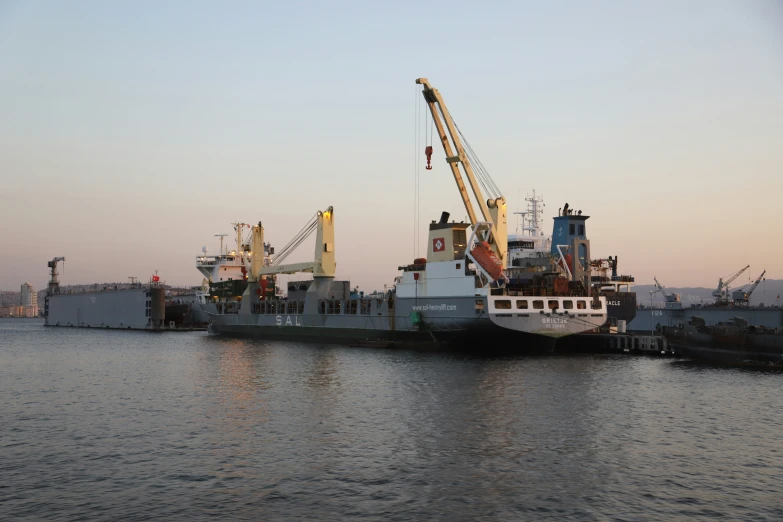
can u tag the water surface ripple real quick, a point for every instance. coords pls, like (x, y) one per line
(104, 425)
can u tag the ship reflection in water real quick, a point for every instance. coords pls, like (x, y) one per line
(197, 426)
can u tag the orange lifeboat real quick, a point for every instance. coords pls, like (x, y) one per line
(486, 258)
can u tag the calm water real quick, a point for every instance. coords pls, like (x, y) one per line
(98, 425)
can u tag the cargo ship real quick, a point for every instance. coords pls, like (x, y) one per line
(464, 290)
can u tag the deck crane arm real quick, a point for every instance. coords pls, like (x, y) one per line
(754, 285)
(323, 264)
(455, 153)
(735, 276)
(720, 292)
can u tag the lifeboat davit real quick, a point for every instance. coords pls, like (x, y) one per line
(483, 255)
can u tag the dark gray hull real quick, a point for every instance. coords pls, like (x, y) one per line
(140, 308)
(482, 337)
(648, 320)
(749, 358)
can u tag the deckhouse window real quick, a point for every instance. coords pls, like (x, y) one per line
(581, 305)
(504, 304)
(521, 304)
(568, 304)
(572, 229)
(538, 304)
(553, 304)
(596, 305)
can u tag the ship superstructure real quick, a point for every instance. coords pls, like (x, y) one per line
(533, 254)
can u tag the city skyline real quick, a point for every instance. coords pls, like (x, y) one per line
(132, 136)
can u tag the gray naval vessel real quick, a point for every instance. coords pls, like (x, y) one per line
(728, 331)
(464, 292)
(727, 306)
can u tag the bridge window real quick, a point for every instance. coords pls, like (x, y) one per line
(582, 305)
(572, 229)
(538, 304)
(521, 304)
(568, 304)
(504, 304)
(553, 304)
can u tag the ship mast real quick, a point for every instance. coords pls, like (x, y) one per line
(531, 218)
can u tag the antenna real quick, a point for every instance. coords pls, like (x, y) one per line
(221, 236)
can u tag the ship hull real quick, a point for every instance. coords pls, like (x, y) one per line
(134, 308)
(483, 337)
(651, 319)
(732, 349)
(470, 322)
(753, 358)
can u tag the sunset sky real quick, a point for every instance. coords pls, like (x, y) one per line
(133, 132)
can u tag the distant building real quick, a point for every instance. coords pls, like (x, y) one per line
(29, 301)
(18, 311)
(29, 297)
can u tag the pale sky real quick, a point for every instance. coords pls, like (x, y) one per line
(133, 132)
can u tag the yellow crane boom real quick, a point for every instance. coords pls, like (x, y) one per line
(493, 211)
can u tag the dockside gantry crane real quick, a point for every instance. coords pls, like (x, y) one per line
(742, 298)
(721, 294)
(493, 210)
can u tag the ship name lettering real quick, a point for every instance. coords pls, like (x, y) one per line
(288, 321)
(554, 320)
(613, 303)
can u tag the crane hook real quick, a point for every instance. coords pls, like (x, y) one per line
(428, 153)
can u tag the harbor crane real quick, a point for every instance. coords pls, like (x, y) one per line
(261, 269)
(672, 300)
(54, 282)
(721, 293)
(323, 265)
(741, 297)
(493, 228)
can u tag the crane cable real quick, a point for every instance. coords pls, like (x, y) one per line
(489, 185)
(416, 119)
(296, 241)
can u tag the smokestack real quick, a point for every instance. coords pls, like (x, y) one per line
(444, 217)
